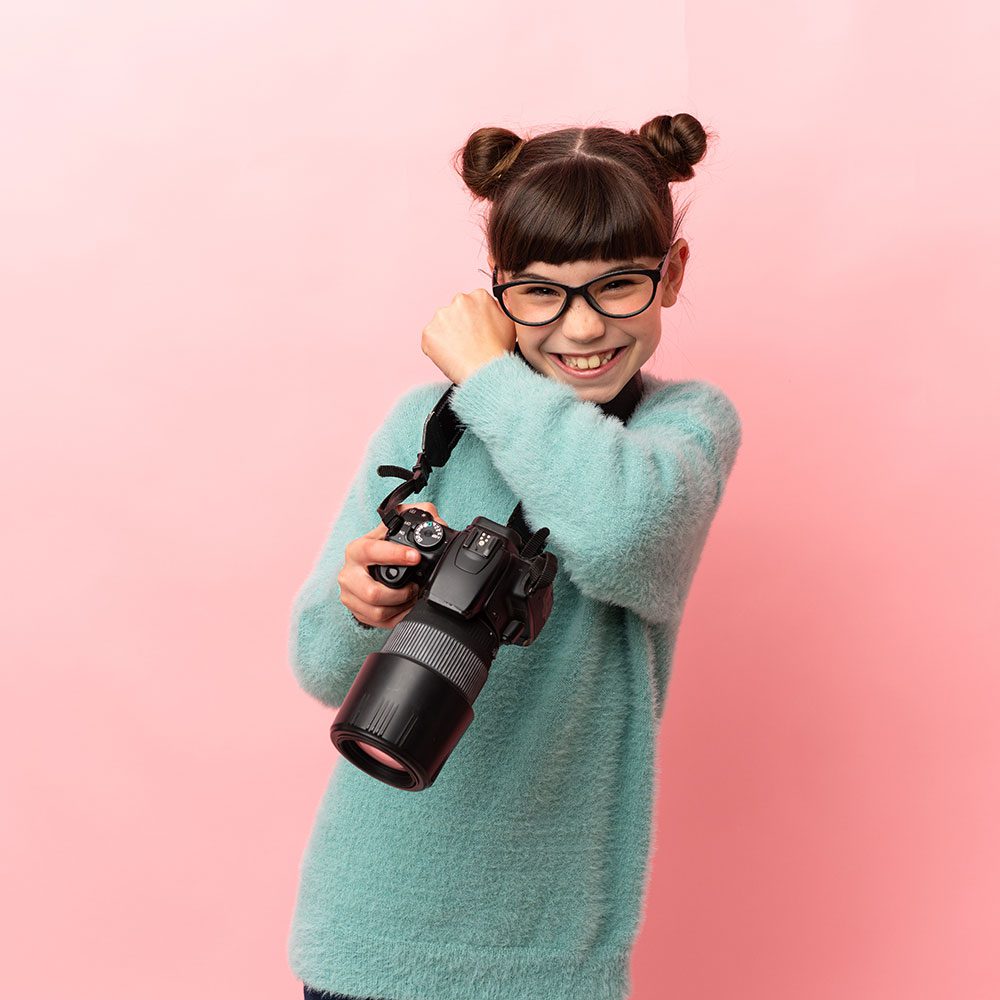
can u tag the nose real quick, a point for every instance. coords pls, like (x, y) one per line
(581, 323)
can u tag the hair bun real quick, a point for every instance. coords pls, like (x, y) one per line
(679, 139)
(487, 155)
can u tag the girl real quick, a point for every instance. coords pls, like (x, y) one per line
(521, 872)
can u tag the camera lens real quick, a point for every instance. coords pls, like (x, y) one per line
(379, 755)
(412, 700)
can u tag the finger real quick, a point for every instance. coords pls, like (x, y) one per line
(376, 594)
(374, 615)
(396, 619)
(380, 530)
(357, 608)
(356, 549)
(392, 597)
(392, 621)
(386, 553)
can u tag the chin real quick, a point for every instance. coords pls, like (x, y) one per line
(602, 395)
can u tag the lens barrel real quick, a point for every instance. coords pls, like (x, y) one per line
(414, 712)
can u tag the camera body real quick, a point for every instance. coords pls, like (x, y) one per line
(480, 588)
(484, 573)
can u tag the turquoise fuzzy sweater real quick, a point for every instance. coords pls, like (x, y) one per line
(520, 874)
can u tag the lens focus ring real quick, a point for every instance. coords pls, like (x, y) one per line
(439, 651)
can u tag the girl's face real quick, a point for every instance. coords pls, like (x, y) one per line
(582, 330)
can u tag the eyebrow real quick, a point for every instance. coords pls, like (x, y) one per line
(618, 267)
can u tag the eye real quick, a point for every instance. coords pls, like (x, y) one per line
(616, 283)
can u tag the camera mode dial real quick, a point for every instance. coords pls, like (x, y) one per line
(428, 535)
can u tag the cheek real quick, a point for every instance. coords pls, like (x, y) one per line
(534, 355)
(530, 346)
(649, 333)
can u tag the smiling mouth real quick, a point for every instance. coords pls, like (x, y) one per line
(585, 372)
(614, 351)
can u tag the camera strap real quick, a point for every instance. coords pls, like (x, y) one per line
(442, 432)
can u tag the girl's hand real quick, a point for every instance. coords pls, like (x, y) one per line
(466, 334)
(368, 600)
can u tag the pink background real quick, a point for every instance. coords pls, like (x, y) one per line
(224, 226)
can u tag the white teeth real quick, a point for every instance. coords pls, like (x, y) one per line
(592, 361)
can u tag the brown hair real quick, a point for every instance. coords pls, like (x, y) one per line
(591, 193)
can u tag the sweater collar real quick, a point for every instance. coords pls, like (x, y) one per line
(622, 405)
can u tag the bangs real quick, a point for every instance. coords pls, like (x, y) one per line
(579, 208)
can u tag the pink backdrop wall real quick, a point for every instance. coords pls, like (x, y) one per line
(224, 226)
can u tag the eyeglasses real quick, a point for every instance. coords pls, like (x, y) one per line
(617, 295)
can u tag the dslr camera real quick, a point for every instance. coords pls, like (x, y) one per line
(480, 587)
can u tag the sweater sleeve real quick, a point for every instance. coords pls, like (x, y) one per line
(327, 644)
(628, 506)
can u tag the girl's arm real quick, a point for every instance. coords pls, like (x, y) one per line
(628, 507)
(326, 643)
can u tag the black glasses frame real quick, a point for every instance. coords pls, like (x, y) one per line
(650, 272)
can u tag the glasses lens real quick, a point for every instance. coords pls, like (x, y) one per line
(623, 294)
(534, 303)
(619, 295)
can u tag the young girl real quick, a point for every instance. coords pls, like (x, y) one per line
(521, 872)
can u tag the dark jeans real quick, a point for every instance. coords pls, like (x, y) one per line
(311, 994)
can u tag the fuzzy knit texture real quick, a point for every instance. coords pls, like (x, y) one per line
(522, 871)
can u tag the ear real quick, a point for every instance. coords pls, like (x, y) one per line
(673, 276)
